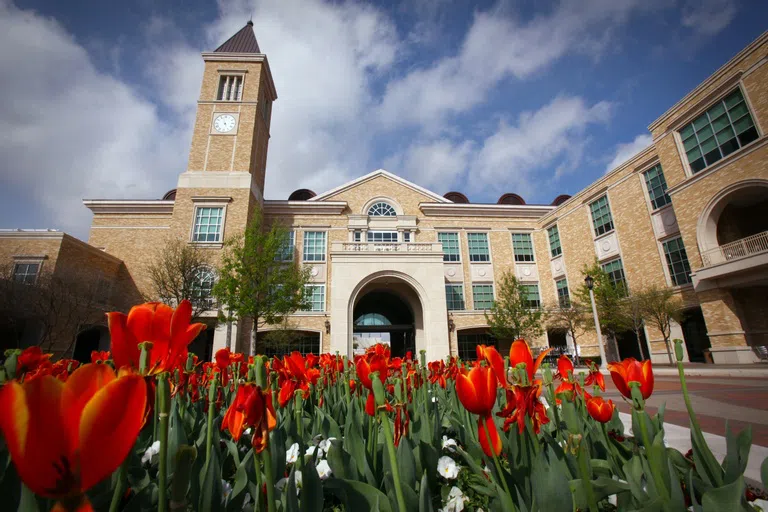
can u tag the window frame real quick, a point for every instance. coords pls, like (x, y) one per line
(449, 298)
(26, 274)
(290, 250)
(669, 264)
(623, 273)
(458, 246)
(220, 86)
(662, 185)
(474, 296)
(532, 255)
(680, 140)
(311, 298)
(559, 242)
(210, 304)
(373, 232)
(305, 245)
(470, 234)
(466, 343)
(220, 239)
(563, 299)
(379, 204)
(526, 287)
(596, 228)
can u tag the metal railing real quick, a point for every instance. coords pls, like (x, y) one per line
(738, 249)
(386, 247)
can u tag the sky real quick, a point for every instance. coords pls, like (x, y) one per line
(539, 98)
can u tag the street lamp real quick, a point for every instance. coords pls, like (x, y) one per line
(590, 282)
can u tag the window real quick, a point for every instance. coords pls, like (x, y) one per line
(554, 241)
(314, 246)
(230, 88)
(315, 297)
(563, 297)
(286, 250)
(309, 344)
(677, 261)
(406, 236)
(615, 271)
(468, 344)
(450, 243)
(601, 216)
(208, 221)
(381, 209)
(357, 236)
(482, 296)
(718, 132)
(382, 236)
(522, 246)
(202, 288)
(532, 298)
(478, 247)
(657, 187)
(26, 272)
(454, 297)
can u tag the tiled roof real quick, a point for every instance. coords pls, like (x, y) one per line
(244, 41)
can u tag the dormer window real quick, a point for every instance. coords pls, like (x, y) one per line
(381, 209)
(230, 88)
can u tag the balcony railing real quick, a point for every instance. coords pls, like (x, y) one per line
(748, 246)
(411, 247)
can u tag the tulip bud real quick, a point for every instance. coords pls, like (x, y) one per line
(678, 349)
(423, 357)
(190, 362)
(547, 375)
(260, 370)
(11, 362)
(378, 389)
(637, 396)
(145, 347)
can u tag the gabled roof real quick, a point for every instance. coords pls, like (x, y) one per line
(244, 41)
(375, 174)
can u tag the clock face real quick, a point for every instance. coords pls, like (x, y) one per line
(224, 123)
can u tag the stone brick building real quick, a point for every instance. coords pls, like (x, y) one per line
(391, 260)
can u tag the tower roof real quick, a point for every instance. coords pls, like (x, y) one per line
(244, 41)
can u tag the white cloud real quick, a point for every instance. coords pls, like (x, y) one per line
(542, 145)
(70, 131)
(437, 164)
(627, 150)
(498, 46)
(708, 17)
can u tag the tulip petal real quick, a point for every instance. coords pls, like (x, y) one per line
(619, 377)
(536, 365)
(73, 505)
(520, 352)
(124, 345)
(180, 319)
(564, 365)
(646, 385)
(80, 387)
(109, 425)
(486, 428)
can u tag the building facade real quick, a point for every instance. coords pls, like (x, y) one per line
(393, 261)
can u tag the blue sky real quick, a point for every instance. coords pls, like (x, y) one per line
(537, 98)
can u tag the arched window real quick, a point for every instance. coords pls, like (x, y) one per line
(202, 288)
(381, 209)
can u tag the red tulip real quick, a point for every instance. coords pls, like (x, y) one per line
(632, 370)
(31, 359)
(524, 401)
(100, 356)
(594, 377)
(366, 365)
(260, 415)
(169, 331)
(599, 409)
(223, 360)
(234, 418)
(495, 361)
(520, 352)
(65, 437)
(477, 392)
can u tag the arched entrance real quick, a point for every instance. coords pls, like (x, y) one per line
(90, 338)
(387, 309)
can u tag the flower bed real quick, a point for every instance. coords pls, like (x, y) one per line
(147, 427)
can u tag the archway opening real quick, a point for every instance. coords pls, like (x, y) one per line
(94, 337)
(695, 335)
(735, 224)
(744, 215)
(387, 311)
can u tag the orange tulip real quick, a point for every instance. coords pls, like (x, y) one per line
(477, 393)
(169, 331)
(234, 418)
(599, 409)
(595, 377)
(520, 352)
(632, 370)
(494, 360)
(65, 437)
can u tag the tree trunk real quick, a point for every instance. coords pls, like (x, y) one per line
(639, 344)
(229, 332)
(254, 329)
(669, 350)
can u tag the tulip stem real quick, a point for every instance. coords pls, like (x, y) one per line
(267, 459)
(586, 477)
(164, 407)
(117, 495)
(392, 460)
(496, 462)
(300, 427)
(641, 416)
(257, 468)
(211, 409)
(687, 398)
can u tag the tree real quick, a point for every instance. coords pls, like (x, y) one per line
(282, 338)
(633, 312)
(660, 307)
(513, 314)
(608, 300)
(573, 318)
(254, 282)
(181, 271)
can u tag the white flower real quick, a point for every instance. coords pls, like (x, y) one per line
(325, 446)
(449, 444)
(292, 454)
(310, 450)
(247, 431)
(455, 501)
(762, 504)
(323, 469)
(226, 489)
(434, 399)
(447, 467)
(486, 470)
(283, 482)
(151, 451)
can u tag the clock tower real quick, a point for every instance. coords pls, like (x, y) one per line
(224, 179)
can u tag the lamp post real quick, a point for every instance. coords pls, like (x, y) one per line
(590, 282)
